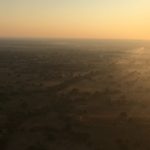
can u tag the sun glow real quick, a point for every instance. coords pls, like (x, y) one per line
(128, 19)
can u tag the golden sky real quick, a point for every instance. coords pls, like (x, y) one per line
(121, 19)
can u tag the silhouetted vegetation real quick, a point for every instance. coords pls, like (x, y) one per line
(67, 97)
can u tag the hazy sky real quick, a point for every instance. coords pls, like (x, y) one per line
(75, 18)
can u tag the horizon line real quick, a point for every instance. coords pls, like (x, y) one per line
(71, 38)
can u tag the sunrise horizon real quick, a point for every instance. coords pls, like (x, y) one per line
(81, 19)
(74, 74)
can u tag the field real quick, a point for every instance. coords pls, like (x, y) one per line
(74, 94)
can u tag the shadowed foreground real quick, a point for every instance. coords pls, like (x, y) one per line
(78, 96)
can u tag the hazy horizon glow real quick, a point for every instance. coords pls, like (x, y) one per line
(111, 19)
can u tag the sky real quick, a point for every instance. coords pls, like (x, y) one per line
(104, 19)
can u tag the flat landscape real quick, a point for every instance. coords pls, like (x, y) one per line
(74, 95)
